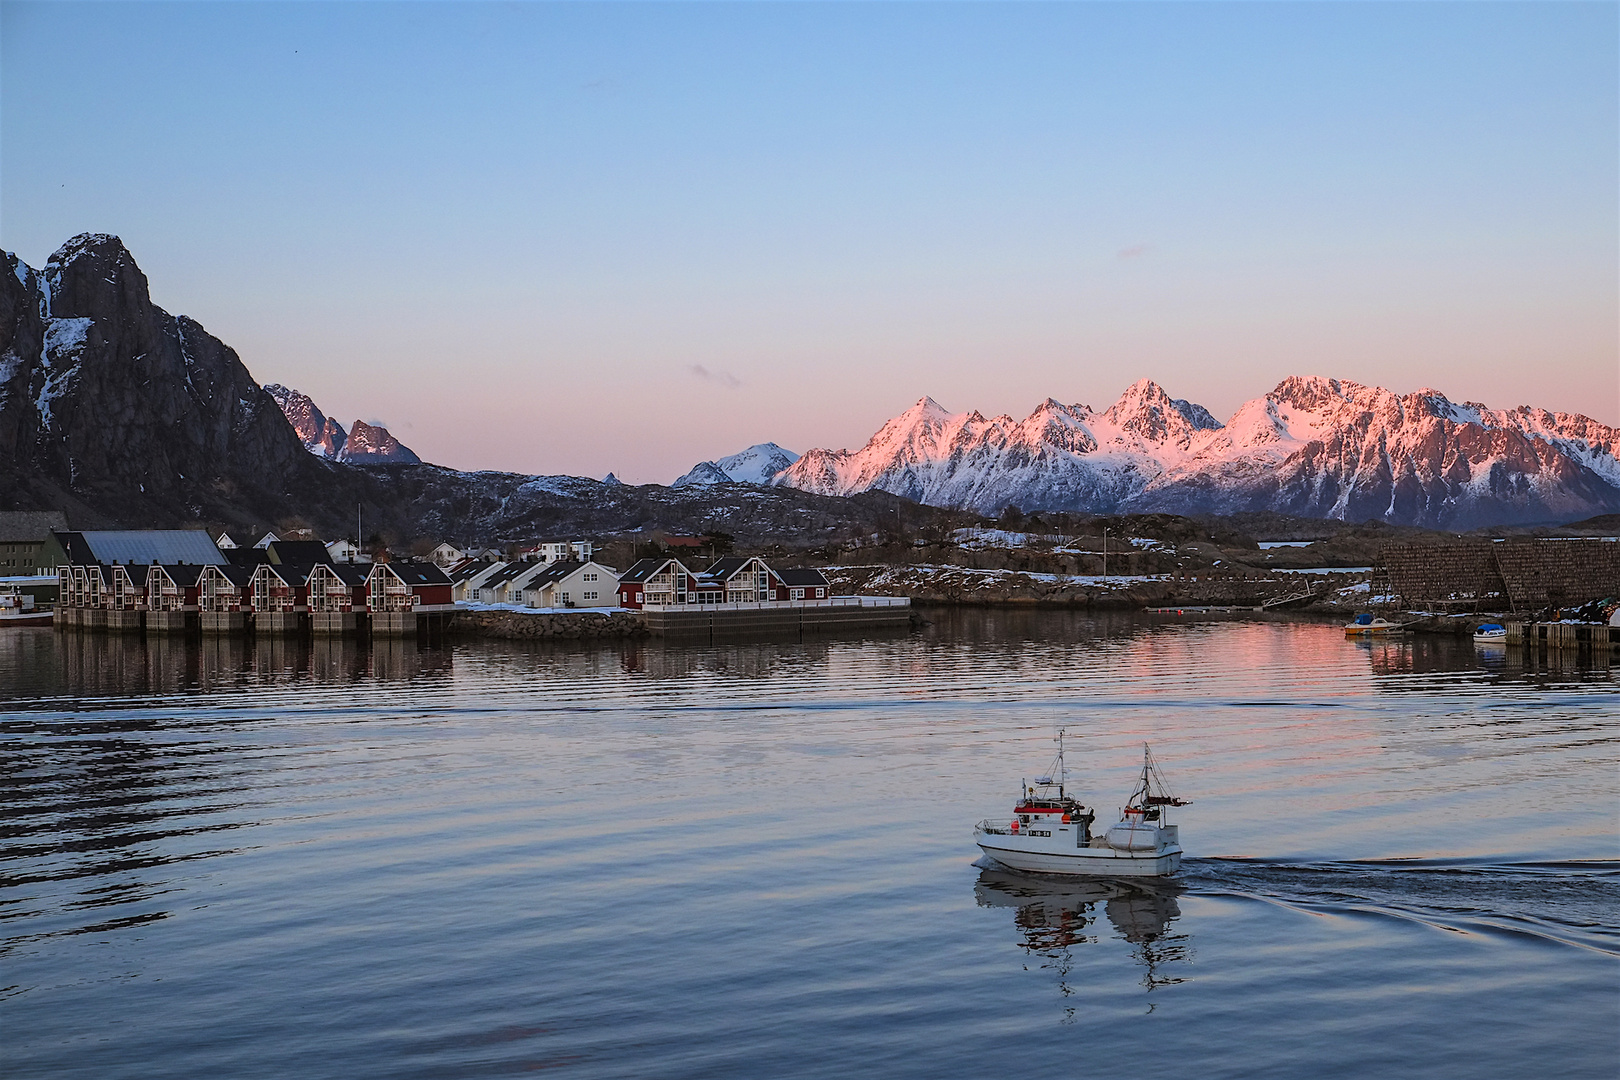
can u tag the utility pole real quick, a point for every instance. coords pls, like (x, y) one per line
(1105, 554)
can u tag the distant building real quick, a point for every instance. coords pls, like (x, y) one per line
(551, 551)
(225, 543)
(22, 539)
(266, 540)
(446, 555)
(347, 551)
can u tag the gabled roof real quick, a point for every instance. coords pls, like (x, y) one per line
(646, 568)
(727, 568)
(800, 577)
(136, 573)
(145, 546)
(415, 573)
(246, 557)
(507, 573)
(465, 571)
(555, 572)
(306, 552)
(294, 574)
(349, 573)
(240, 576)
(184, 575)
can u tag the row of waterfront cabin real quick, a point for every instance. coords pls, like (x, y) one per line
(105, 570)
(667, 582)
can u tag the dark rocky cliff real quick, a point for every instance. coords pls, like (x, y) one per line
(115, 409)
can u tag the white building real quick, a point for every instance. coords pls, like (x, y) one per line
(345, 551)
(552, 551)
(573, 585)
(266, 540)
(446, 555)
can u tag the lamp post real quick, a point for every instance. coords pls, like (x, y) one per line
(1105, 554)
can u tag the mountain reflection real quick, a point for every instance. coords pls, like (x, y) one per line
(1057, 916)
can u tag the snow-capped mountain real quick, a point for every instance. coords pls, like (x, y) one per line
(364, 444)
(369, 444)
(758, 464)
(1313, 447)
(321, 435)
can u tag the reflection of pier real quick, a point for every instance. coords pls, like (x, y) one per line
(92, 665)
(1053, 915)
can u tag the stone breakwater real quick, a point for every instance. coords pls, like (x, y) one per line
(524, 625)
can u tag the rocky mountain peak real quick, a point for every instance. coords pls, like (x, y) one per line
(320, 434)
(369, 444)
(94, 276)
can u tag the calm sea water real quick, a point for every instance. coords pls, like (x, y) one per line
(756, 860)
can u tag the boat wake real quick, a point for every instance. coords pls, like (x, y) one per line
(1564, 903)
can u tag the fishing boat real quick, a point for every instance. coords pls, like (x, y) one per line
(1367, 625)
(1491, 634)
(17, 609)
(1050, 832)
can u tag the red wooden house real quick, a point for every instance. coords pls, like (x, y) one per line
(225, 588)
(172, 588)
(407, 586)
(340, 587)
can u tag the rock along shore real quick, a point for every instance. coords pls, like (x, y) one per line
(525, 625)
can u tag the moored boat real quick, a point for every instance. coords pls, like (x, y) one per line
(17, 609)
(1367, 625)
(1491, 633)
(1050, 832)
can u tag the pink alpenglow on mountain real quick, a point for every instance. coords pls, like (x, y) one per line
(320, 434)
(364, 444)
(1313, 447)
(368, 445)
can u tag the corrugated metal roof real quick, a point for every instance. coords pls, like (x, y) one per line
(153, 545)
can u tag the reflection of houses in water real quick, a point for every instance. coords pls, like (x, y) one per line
(1053, 915)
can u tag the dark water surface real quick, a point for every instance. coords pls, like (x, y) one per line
(756, 860)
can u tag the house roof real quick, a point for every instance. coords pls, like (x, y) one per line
(145, 546)
(727, 568)
(246, 557)
(348, 573)
(23, 526)
(646, 568)
(415, 573)
(555, 572)
(507, 573)
(294, 574)
(800, 577)
(467, 570)
(137, 574)
(184, 575)
(305, 552)
(240, 576)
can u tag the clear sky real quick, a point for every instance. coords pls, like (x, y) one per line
(581, 238)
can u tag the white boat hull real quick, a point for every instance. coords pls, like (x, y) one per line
(1019, 854)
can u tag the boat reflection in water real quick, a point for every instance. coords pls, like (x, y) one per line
(1058, 915)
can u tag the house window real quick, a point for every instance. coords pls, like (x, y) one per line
(797, 594)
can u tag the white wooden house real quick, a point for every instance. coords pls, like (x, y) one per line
(573, 585)
(347, 551)
(446, 555)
